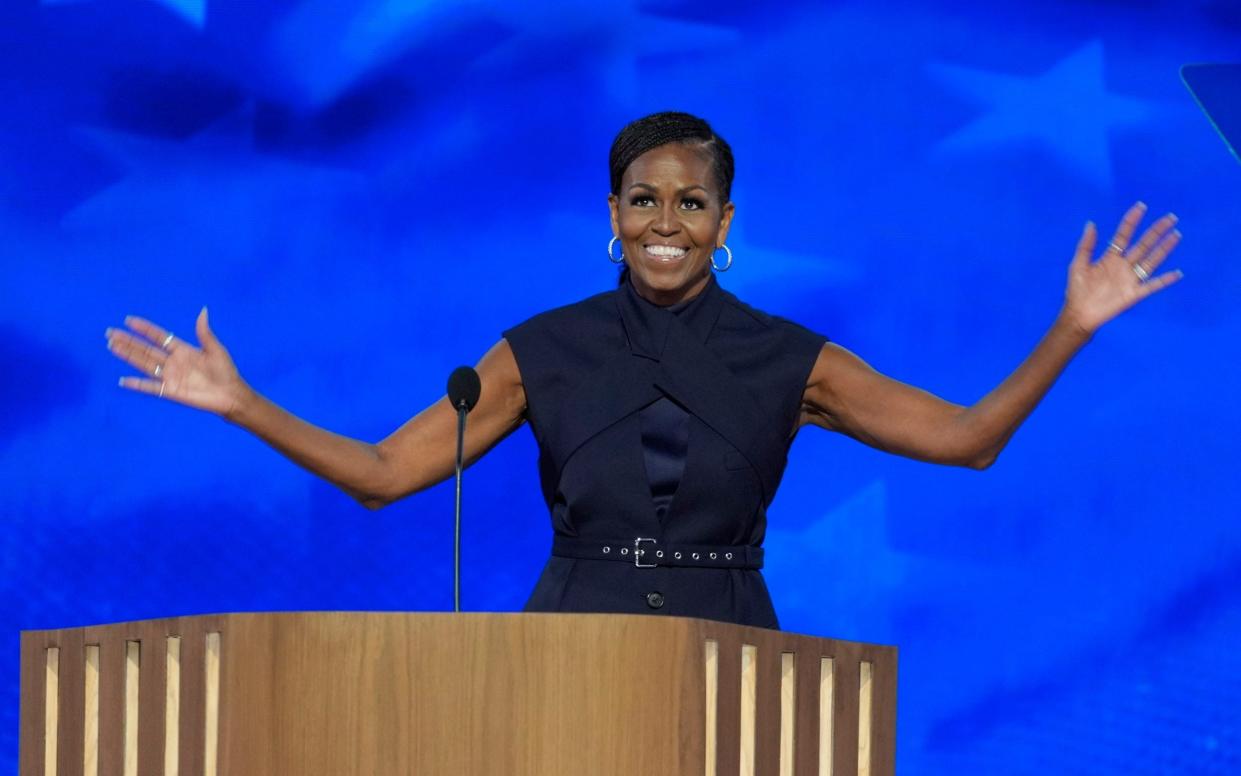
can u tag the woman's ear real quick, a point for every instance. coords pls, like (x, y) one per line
(726, 220)
(614, 207)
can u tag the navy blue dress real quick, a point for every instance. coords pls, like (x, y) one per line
(668, 425)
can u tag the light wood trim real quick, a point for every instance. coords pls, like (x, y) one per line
(211, 722)
(133, 670)
(749, 707)
(864, 707)
(827, 706)
(90, 711)
(711, 660)
(51, 709)
(172, 706)
(788, 710)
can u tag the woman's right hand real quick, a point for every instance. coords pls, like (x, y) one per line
(202, 377)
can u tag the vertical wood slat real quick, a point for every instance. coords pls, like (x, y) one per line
(193, 649)
(767, 717)
(172, 705)
(806, 661)
(711, 662)
(51, 709)
(788, 713)
(883, 719)
(748, 709)
(865, 708)
(729, 730)
(111, 697)
(211, 726)
(827, 716)
(152, 635)
(133, 678)
(845, 714)
(33, 671)
(72, 702)
(90, 711)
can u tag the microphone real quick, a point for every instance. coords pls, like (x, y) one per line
(464, 386)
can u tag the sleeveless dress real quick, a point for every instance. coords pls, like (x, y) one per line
(663, 434)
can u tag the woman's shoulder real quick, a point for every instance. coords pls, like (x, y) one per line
(740, 316)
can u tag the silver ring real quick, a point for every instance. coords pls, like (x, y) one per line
(161, 389)
(1113, 246)
(158, 370)
(167, 341)
(1140, 271)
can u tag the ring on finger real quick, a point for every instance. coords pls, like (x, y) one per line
(158, 370)
(1115, 246)
(167, 341)
(161, 389)
(1142, 273)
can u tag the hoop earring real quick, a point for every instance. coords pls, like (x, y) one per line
(727, 264)
(615, 259)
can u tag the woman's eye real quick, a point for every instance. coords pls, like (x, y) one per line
(692, 204)
(640, 201)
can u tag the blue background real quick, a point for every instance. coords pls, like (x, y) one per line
(366, 192)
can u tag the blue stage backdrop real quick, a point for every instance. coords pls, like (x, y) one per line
(366, 192)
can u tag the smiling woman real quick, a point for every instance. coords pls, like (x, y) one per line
(664, 408)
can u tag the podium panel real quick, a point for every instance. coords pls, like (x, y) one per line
(358, 693)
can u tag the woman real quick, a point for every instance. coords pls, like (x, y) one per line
(664, 409)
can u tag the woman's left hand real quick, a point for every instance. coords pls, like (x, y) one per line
(1099, 291)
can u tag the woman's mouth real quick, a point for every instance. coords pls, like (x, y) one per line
(664, 254)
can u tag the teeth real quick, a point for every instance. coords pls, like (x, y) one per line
(665, 251)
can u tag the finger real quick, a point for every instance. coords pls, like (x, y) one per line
(136, 352)
(1124, 232)
(1160, 283)
(141, 385)
(157, 334)
(1085, 247)
(1160, 251)
(1151, 237)
(202, 328)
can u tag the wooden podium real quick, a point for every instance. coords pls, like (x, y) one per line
(381, 694)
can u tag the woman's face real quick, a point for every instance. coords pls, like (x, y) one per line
(669, 219)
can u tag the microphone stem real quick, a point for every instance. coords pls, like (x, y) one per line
(456, 543)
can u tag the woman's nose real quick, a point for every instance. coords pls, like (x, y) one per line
(666, 223)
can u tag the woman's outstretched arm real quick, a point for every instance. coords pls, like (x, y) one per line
(845, 394)
(417, 455)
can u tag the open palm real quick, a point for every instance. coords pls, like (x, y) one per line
(203, 377)
(1123, 276)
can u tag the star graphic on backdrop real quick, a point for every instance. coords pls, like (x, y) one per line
(842, 563)
(1067, 110)
(326, 46)
(193, 11)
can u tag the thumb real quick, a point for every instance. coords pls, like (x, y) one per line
(206, 338)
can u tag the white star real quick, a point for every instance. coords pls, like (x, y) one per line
(1067, 110)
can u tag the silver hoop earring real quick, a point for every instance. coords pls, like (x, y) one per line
(615, 259)
(727, 264)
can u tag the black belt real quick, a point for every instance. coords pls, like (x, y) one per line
(649, 553)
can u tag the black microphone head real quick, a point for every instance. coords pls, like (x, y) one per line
(464, 387)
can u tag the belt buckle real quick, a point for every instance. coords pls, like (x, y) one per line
(638, 552)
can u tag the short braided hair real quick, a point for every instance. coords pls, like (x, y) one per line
(658, 129)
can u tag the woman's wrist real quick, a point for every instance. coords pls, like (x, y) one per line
(241, 410)
(1070, 325)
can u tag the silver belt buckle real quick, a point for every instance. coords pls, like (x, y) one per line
(638, 552)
